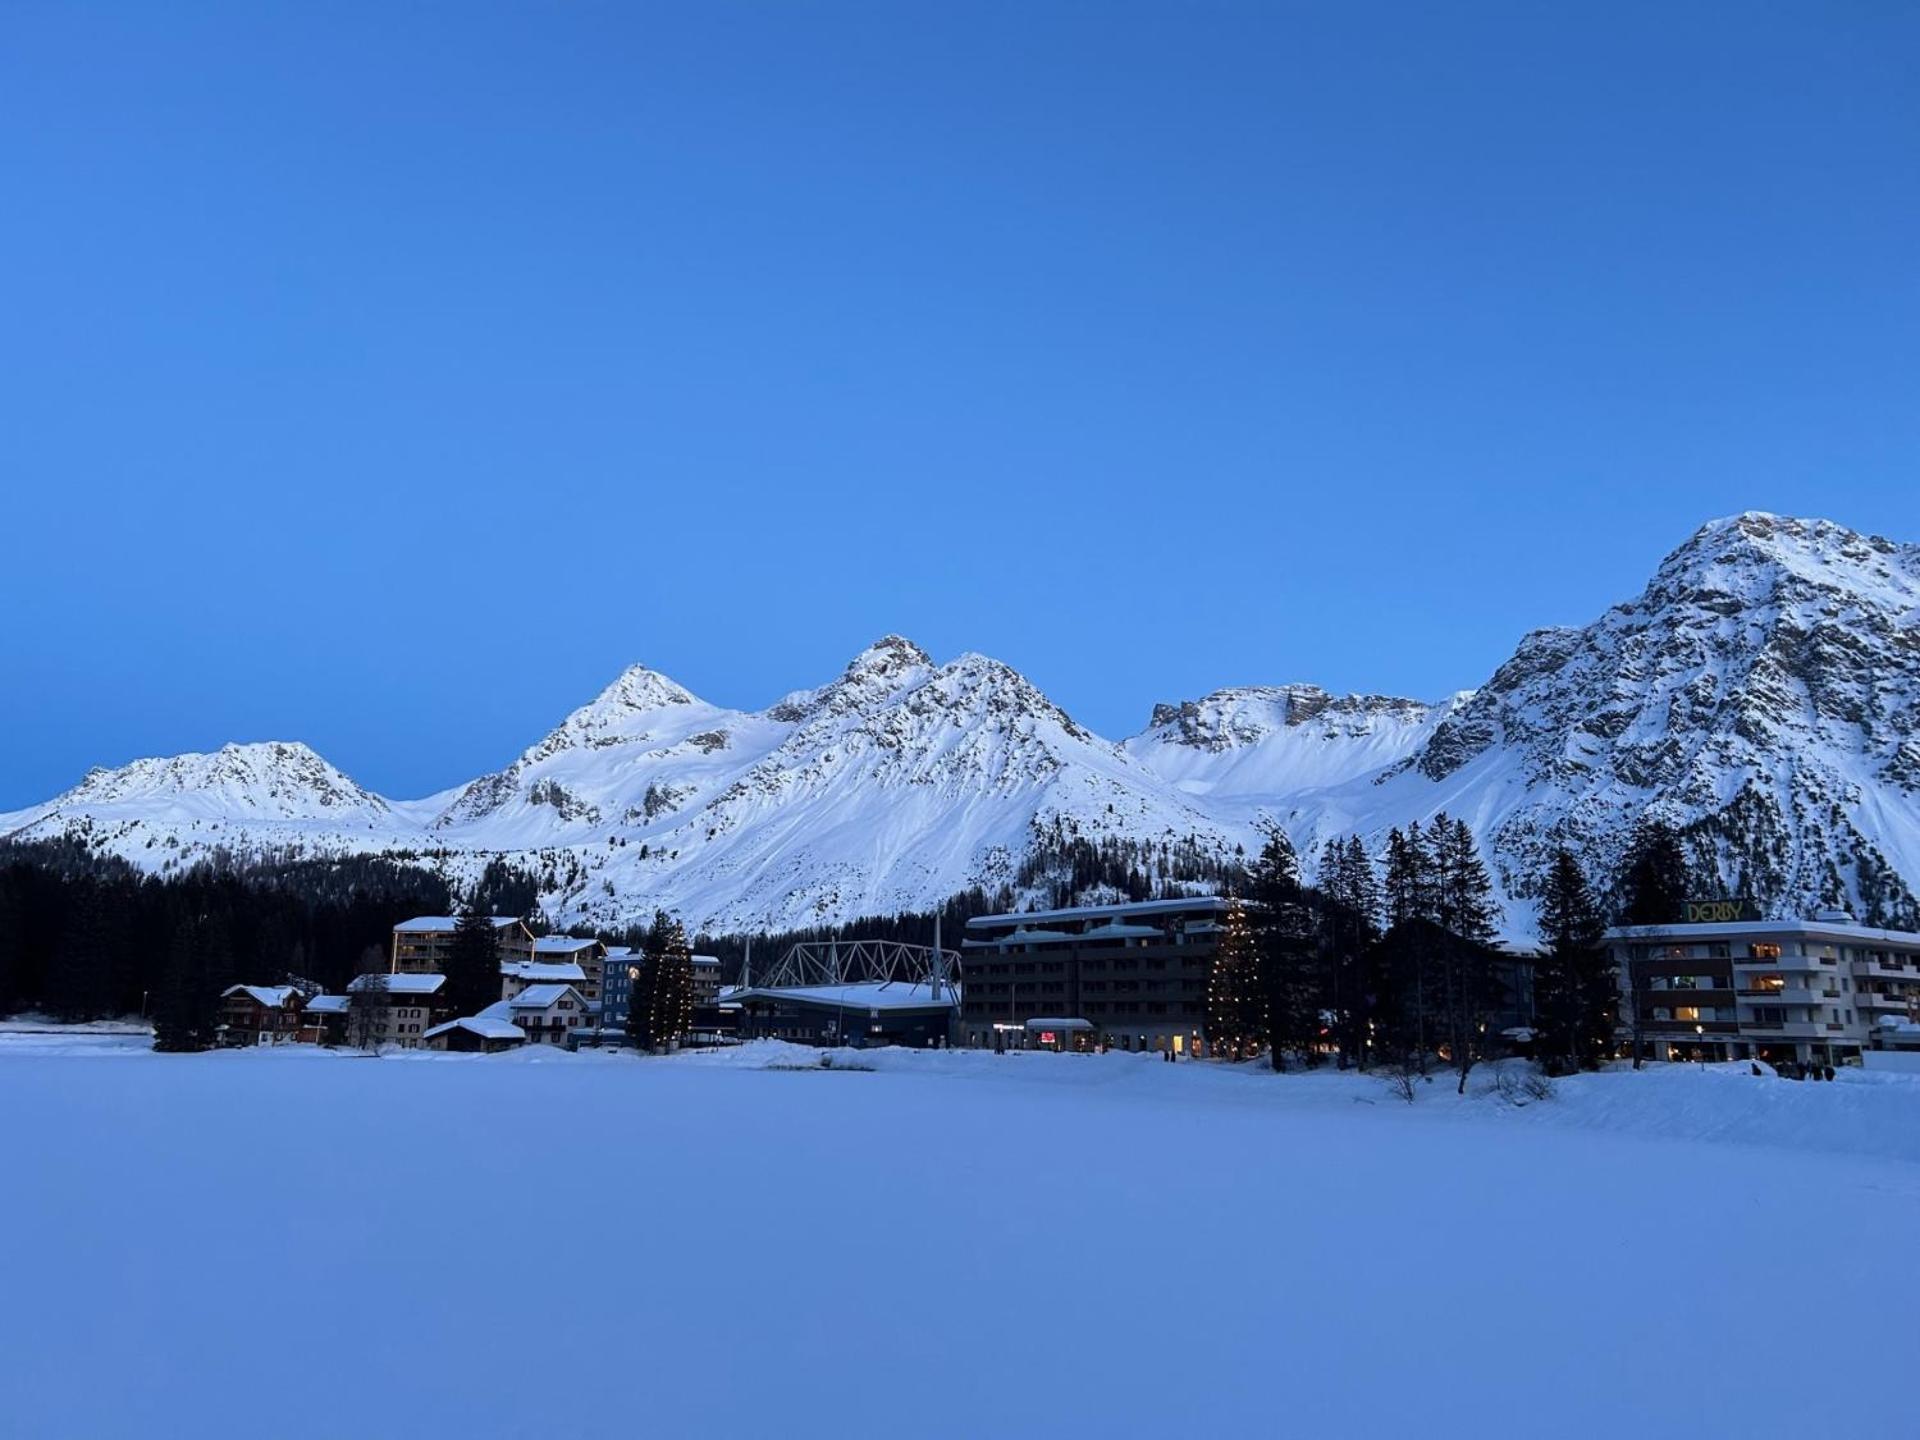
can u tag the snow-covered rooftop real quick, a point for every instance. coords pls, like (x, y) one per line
(480, 1025)
(440, 924)
(539, 997)
(1211, 903)
(271, 996)
(327, 1005)
(706, 959)
(562, 945)
(564, 972)
(397, 984)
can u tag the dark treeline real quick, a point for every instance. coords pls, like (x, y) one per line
(84, 937)
(1391, 961)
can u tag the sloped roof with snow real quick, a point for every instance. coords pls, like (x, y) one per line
(540, 997)
(481, 1025)
(271, 996)
(327, 1005)
(561, 945)
(565, 972)
(397, 984)
(442, 923)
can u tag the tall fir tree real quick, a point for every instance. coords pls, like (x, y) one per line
(1654, 876)
(1234, 995)
(1409, 885)
(1576, 994)
(1463, 902)
(1291, 978)
(473, 962)
(1351, 892)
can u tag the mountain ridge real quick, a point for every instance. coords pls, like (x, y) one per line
(1760, 691)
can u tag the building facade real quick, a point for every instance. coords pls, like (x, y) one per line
(1800, 992)
(401, 1008)
(259, 1015)
(421, 945)
(1136, 973)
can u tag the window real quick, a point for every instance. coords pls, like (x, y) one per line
(1763, 952)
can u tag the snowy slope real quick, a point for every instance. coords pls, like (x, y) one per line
(1762, 692)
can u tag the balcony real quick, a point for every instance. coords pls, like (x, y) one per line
(1787, 1029)
(1868, 1000)
(1802, 964)
(1787, 995)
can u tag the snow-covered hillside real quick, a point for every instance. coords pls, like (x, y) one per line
(1761, 691)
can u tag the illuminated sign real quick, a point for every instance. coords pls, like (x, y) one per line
(1719, 912)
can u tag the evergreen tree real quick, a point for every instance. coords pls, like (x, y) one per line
(661, 1009)
(186, 1004)
(1290, 958)
(473, 963)
(1233, 989)
(1461, 888)
(1575, 991)
(1351, 892)
(1409, 888)
(1654, 878)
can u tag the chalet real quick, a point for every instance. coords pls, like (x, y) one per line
(546, 1014)
(259, 1015)
(323, 1021)
(476, 1034)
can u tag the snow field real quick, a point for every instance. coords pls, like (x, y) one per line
(298, 1243)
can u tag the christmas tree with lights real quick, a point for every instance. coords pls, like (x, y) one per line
(1236, 1000)
(661, 1008)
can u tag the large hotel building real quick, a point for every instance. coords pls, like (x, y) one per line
(1801, 991)
(1134, 976)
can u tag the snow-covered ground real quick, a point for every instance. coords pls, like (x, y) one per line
(298, 1243)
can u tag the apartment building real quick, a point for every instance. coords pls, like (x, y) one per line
(589, 956)
(406, 1006)
(1816, 991)
(421, 945)
(1136, 973)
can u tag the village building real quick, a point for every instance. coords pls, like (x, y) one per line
(404, 1007)
(476, 1034)
(1801, 992)
(1136, 974)
(860, 1014)
(259, 1015)
(421, 945)
(546, 1014)
(518, 975)
(323, 1020)
(590, 956)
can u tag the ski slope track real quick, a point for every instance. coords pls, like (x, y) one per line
(1762, 692)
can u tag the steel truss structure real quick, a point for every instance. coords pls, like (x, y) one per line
(862, 962)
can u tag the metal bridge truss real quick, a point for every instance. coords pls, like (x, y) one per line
(861, 962)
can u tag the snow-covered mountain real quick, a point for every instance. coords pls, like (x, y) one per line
(1761, 692)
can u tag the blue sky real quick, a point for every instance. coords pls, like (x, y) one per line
(388, 377)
